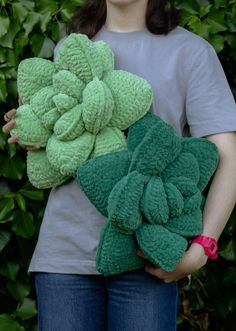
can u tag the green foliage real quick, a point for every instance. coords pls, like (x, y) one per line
(31, 28)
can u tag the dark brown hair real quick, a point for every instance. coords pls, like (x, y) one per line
(92, 16)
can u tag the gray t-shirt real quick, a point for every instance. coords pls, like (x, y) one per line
(190, 92)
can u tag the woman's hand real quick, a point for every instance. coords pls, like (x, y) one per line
(8, 117)
(193, 259)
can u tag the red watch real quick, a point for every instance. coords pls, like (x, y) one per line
(209, 244)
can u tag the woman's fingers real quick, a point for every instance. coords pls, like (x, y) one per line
(30, 147)
(13, 140)
(9, 126)
(8, 116)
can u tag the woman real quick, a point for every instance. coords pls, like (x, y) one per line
(192, 94)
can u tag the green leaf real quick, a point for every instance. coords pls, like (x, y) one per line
(31, 20)
(27, 309)
(19, 11)
(29, 4)
(66, 14)
(18, 289)
(190, 6)
(3, 138)
(7, 323)
(23, 224)
(9, 270)
(36, 43)
(217, 41)
(47, 48)
(3, 90)
(22, 41)
(50, 6)
(5, 237)
(11, 57)
(20, 201)
(58, 31)
(4, 25)
(199, 27)
(230, 20)
(229, 250)
(12, 167)
(6, 205)
(11, 149)
(31, 192)
(4, 187)
(219, 3)
(205, 10)
(8, 39)
(12, 89)
(2, 55)
(216, 21)
(44, 20)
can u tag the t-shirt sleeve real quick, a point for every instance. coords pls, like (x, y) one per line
(210, 105)
(58, 45)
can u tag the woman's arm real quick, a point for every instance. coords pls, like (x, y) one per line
(220, 202)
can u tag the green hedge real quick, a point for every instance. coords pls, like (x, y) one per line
(32, 28)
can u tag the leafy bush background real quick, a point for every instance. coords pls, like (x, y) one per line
(32, 28)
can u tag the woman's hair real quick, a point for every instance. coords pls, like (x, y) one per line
(89, 18)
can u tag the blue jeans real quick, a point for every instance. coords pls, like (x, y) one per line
(132, 301)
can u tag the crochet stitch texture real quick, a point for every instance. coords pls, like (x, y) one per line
(75, 108)
(150, 194)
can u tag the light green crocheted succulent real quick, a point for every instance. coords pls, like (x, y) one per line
(75, 108)
(151, 195)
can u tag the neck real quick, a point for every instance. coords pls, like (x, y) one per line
(126, 17)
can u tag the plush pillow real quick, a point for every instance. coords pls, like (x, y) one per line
(151, 195)
(76, 108)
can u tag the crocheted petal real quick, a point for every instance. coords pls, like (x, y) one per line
(67, 83)
(185, 165)
(163, 248)
(99, 175)
(68, 156)
(32, 75)
(98, 105)
(139, 129)
(186, 186)
(187, 225)
(123, 202)
(159, 147)
(174, 199)
(41, 102)
(206, 154)
(116, 252)
(78, 55)
(109, 140)
(49, 119)
(192, 203)
(70, 125)
(132, 96)
(64, 102)
(40, 172)
(29, 128)
(153, 203)
(106, 55)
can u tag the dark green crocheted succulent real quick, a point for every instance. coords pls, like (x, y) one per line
(76, 108)
(150, 194)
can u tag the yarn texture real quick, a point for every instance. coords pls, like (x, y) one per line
(151, 195)
(75, 108)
